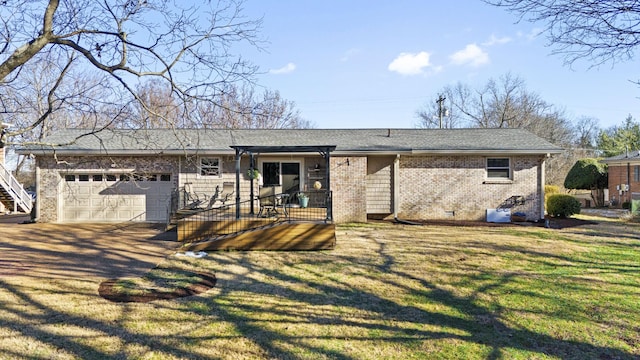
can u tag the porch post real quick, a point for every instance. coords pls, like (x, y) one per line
(238, 155)
(251, 166)
(327, 158)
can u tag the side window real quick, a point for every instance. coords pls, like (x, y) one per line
(498, 168)
(636, 173)
(210, 166)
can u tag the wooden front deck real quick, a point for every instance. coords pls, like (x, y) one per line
(284, 236)
(301, 229)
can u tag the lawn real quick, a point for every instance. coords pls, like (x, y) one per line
(386, 292)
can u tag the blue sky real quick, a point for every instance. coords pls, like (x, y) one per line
(373, 64)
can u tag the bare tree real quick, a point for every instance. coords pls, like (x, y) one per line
(599, 30)
(507, 103)
(274, 112)
(158, 108)
(243, 108)
(586, 132)
(185, 46)
(52, 94)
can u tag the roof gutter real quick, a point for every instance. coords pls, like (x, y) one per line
(488, 152)
(85, 152)
(354, 152)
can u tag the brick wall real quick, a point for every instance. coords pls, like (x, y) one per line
(348, 183)
(455, 187)
(618, 176)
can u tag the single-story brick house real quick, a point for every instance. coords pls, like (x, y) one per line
(129, 175)
(624, 177)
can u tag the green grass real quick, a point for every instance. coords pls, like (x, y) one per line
(386, 292)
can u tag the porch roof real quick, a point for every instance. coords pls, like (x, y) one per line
(284, 149)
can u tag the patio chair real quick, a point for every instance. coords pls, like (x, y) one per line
(271, 198)
(228, 189)
(267, 197)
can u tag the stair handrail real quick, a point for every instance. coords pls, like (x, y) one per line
(15, 189)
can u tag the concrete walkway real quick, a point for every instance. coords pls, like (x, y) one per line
(607, 213)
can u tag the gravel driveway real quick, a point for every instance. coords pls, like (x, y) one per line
(80, 250)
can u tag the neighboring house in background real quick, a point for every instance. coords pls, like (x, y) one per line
(456, 174)
(624, 177)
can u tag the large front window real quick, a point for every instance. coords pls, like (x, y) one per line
(498, 168)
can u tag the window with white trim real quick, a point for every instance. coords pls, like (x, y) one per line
(499, 168)
(210, 166)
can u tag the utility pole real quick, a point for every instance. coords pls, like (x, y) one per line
(441, 109)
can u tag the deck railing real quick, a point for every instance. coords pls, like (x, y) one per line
(223, 221)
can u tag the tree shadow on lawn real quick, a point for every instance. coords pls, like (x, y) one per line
(40, 327)
(480, 325)
(407, 326)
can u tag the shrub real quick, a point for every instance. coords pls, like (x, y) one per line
(548, 191)
(562, 206)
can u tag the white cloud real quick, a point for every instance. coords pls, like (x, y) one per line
(289, 68)
(410, 64)
(472, 55)
(494, 40)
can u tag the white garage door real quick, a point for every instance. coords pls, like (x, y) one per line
(113, 198)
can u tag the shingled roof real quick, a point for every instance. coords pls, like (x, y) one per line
(347, 141)
(629, 156)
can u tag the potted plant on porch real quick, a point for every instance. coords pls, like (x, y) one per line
(254, 174)
(303, 199)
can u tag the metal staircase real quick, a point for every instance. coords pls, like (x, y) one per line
(12, 194)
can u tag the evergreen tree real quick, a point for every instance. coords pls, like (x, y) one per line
(619, 139)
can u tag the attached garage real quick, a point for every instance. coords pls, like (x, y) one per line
(95, 197)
